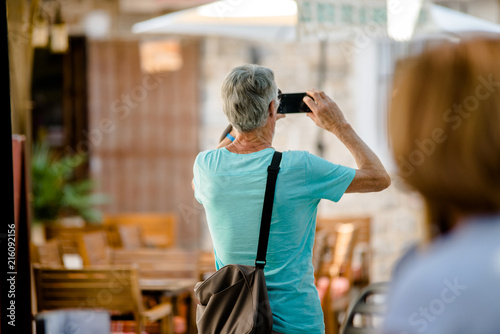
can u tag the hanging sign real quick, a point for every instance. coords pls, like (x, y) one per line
(337, 18)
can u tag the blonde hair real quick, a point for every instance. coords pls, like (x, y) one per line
(444, 124)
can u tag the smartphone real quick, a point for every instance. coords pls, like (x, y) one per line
(293, 103)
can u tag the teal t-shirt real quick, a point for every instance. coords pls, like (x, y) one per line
(231, 188)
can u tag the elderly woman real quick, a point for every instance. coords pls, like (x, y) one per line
(445, 130)
(230, 182)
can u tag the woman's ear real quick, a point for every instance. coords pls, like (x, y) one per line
(271, 109)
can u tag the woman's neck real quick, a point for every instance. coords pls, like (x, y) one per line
(249, 142)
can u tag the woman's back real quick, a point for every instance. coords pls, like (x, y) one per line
(231, 188)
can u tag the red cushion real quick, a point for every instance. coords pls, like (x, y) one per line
(340, 286)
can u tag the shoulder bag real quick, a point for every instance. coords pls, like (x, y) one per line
(234, 299)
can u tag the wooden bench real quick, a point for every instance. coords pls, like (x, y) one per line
(158, 229)
(159, 263)
(111, 288)
(69, 236)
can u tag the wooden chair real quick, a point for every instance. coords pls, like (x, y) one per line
(362, 252)
(48, 254)
(206, 265)
(334, 286)
(131, 236)
(112, 288)
(158, 229)
(176, 264)
(69, 236)
(365, 314)
(93, 248)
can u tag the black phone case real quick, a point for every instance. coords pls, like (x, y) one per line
(292, 103)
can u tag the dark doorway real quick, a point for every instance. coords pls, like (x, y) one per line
(59, 90)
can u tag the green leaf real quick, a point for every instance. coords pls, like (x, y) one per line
(55, 193)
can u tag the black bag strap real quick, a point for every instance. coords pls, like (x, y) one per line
(267, 210)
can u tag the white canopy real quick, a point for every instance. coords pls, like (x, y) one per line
(276, 21)
(452, 21)
(256, 20)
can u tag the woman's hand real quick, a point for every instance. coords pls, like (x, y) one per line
(325, 112)
(370, 174)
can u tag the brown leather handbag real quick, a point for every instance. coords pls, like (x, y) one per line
(234, 299)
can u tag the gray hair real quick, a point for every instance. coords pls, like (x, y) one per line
(246, 93)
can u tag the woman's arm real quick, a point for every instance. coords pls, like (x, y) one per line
(224, 141)
(370, 174)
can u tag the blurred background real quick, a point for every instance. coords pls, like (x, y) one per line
(115, 98)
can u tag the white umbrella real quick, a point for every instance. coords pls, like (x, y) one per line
(261, 20)
(276, 20)
(454, 22)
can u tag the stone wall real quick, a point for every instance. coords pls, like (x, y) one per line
(395, 212)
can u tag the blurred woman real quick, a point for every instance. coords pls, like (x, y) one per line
(445, 134)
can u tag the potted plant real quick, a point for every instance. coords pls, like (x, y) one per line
(55, 193)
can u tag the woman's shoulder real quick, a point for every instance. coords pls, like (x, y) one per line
(206, 159)
(297, 157)
(208, 154)
(297, 153)
(471, 246)
(463, 267)
(447, 258)
(448, 284)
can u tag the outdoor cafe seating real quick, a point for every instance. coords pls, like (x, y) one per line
(144, 288)
(151, 288)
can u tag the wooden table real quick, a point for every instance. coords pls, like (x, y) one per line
(168, 286)
(165, 275)
(159, 263)
(179, 291)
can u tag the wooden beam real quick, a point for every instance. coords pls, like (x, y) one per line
(8, 189)
(20, 23)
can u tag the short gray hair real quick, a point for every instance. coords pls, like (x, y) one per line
(246, 93)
